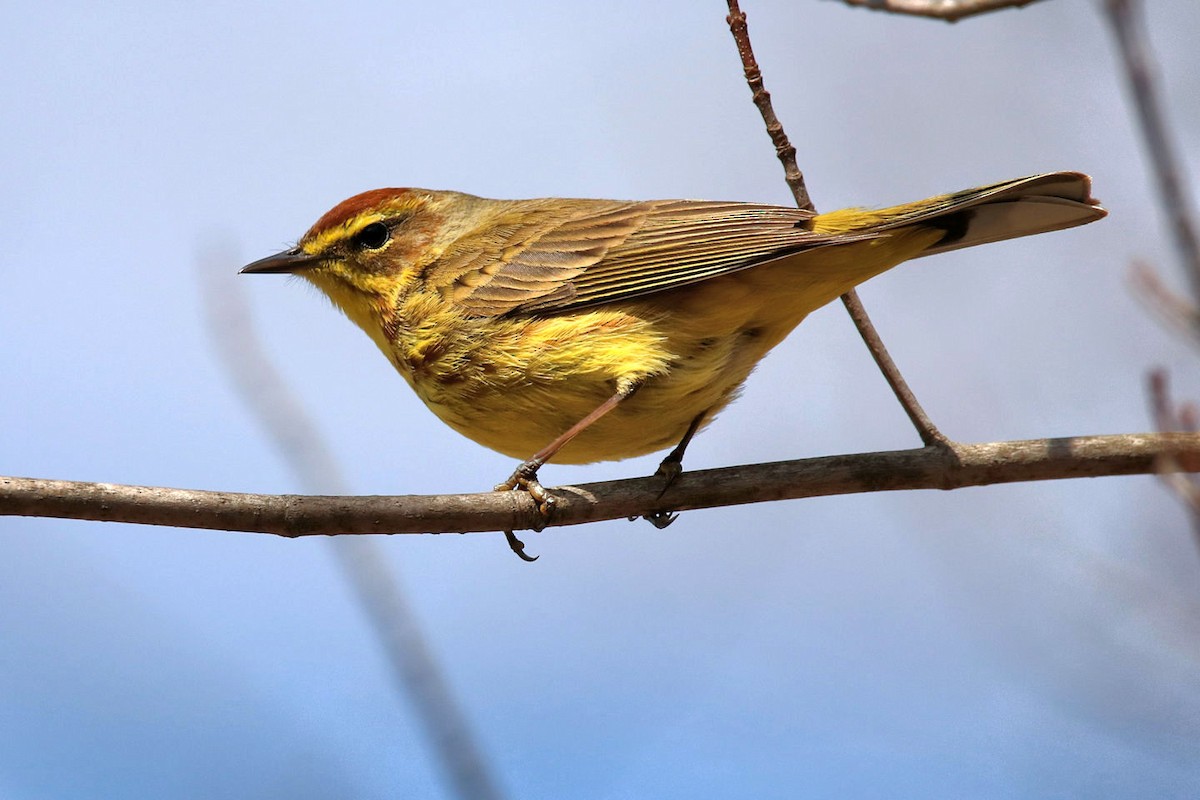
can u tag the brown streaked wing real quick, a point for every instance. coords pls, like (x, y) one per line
(615, 251)
(532, 252)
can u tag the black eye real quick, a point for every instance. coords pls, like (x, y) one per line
(372, 237)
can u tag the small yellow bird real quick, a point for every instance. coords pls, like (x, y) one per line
(590, 330)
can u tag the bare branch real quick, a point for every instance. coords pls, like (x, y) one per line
(929, 433)
(292, 515)
(1138, 60)
(948, 10)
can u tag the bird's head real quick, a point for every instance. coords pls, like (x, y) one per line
(368, 250)
(365, 243)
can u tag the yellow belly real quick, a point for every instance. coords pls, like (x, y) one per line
(514, 385)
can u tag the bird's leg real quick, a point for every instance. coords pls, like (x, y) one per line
(670, 469)
(525, 476)
(672, 466)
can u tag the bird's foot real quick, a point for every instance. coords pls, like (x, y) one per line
(669, 471)
(524, 478)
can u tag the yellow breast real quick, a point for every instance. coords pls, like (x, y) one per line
(514, 384)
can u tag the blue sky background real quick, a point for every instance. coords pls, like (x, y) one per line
(1009, 641)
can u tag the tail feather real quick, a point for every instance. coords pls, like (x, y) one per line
(1022, 207)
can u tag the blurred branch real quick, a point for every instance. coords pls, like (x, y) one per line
(929, 433)
(1173, 309)
(1138, 62)
(293, 515)
(1125, 18)
(364, 564)
(949, 10)
(1171, 418)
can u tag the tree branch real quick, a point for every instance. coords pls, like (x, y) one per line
(949, 10)
(293, 515)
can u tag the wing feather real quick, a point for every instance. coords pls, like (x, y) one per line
(545, 257)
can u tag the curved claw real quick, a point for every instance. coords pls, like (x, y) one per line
(661, 519)
(518, 547)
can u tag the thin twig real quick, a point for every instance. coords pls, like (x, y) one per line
(762, 99)
(948, 10)
(307, 515)
(364, 563)
(929, 433)
(1138, 60)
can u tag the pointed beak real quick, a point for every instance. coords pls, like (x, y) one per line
(293, 261)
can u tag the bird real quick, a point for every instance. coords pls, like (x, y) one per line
(584, 330)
